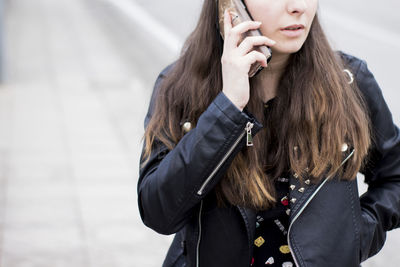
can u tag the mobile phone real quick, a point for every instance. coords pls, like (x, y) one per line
(239, 13)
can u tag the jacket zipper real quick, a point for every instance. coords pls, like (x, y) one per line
(305, 205)
(249, 142)
(199, 238)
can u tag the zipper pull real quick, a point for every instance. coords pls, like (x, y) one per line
(249, 139)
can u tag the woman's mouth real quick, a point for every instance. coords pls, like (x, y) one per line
(293, 30)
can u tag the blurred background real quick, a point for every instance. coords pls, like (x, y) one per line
(76, 78)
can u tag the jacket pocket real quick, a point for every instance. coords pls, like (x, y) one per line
(369, 226)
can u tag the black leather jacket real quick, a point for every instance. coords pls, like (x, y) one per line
(330, 225)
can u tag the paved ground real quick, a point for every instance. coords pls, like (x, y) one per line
(71, 120)
(79, 74)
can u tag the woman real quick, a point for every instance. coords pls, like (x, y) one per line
(262, 171)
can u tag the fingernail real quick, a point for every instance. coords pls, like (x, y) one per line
(259, 22)
(273, 42)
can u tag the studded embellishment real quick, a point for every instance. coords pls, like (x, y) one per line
(292, 186)
(284, 249)
(270, 261)
(296, 175)
(307, 181)
(344, 147)
(287, 264)
(283, 180)
(285, 201)
(259, 241)
(257, 224)
(187, 126)
(301, 190)
(293, 200)
(288, 211)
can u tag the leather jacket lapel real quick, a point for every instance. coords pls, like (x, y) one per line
(299, 192)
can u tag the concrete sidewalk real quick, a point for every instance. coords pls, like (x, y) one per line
(71, 116)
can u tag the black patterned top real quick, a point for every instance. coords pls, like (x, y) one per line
(270, 244)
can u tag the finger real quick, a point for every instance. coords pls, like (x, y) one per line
(228, 44)
(236, 33)
(255, 56)
(245, 26)
(251, 41)
(227, 23)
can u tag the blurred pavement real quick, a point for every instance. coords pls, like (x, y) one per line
(79, 74)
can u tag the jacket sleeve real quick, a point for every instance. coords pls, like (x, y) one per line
(170, 180)
(380, 205)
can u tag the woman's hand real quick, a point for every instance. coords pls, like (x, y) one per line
(237, 60)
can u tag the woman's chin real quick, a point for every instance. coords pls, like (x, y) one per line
(287, 48)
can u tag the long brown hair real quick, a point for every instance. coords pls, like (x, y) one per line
(314, 112)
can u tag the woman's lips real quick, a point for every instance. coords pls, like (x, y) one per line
(293, 30)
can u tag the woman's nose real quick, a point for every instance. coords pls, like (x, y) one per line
(297, 6)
